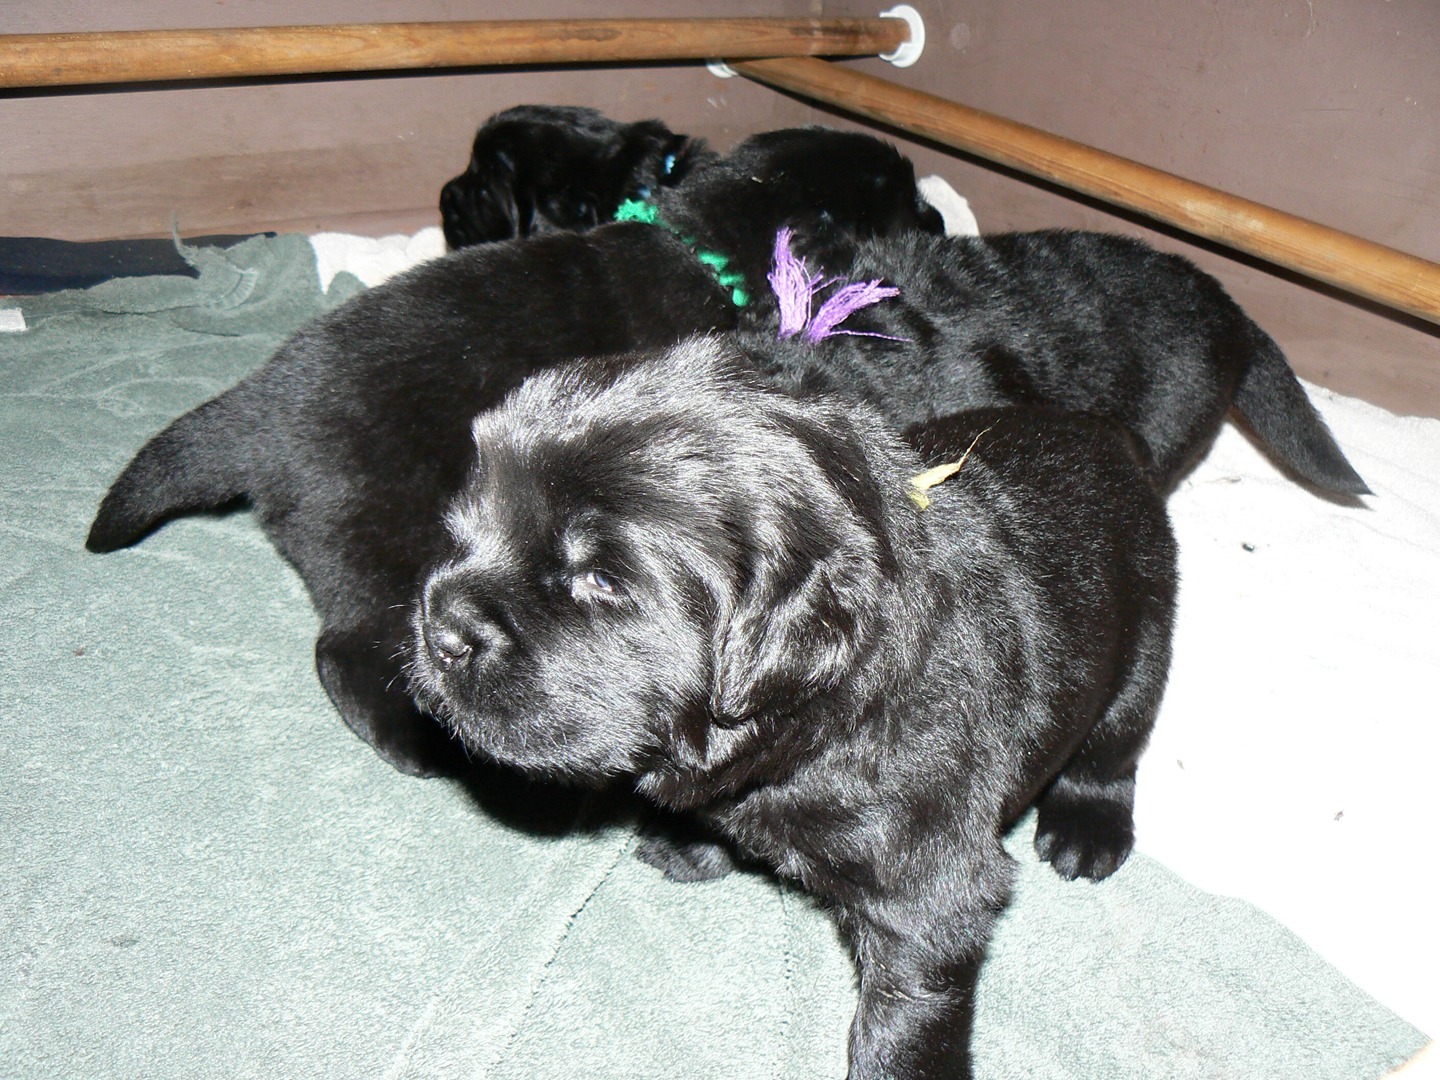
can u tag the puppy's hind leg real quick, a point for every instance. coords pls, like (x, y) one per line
(1086, 823)
(360, 671)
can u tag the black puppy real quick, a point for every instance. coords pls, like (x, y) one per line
(541, 168)
(1082, 321)
(1086, 322)
(664, 570)
(351, 438)
(855, 187)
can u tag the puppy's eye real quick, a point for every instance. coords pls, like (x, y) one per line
(594, 585)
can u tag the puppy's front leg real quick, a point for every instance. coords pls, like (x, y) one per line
(1086, 821)
(915, 1025)
(919, 963)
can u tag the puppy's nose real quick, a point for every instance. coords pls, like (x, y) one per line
(454, 632)
(446, 644)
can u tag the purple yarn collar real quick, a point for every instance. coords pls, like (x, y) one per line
(795, 289)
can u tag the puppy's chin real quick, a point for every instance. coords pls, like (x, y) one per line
(536, 729)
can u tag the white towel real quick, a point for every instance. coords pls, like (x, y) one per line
(1294, 761)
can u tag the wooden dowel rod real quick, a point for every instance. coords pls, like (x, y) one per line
(31, 60)
(1368, 269)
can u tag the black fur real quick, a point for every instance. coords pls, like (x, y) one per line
(1087, 322)
(862, 184)
(349, 440)
(665, 570)
(544, 168)
(1083, 321)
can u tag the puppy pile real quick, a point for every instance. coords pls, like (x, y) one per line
(852, 564)
(349, 441)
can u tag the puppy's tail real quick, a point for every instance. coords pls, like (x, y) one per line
(191, 465)
(1273, 403)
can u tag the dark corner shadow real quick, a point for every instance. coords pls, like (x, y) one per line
(1132, 217)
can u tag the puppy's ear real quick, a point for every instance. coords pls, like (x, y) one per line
(795, 634)
(481, 205)
(815, 586)
(500, 198)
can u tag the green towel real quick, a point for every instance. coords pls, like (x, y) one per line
(205, 874)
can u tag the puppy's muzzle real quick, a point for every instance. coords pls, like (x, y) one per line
(457, 633)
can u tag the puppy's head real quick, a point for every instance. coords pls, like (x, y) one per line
(854, 181)
(548, 168)
(843, 181)
(655, 561)
(829, 187)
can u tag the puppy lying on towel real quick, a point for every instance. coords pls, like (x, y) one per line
(351, 438)
(1081, 321)
(665, 570)
(1086, 322)
(543, 168)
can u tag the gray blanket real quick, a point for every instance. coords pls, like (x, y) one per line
(206, 874)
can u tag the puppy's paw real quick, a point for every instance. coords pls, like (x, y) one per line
(1089, 839)
(700, 860)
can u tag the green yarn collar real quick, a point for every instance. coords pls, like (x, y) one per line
(645, 213)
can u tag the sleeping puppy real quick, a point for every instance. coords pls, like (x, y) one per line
(662, 569)
(857, 188)
(541, 168)
(1086, 322)
(1082, 321)
(351, 438)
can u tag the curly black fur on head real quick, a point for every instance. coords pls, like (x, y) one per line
(614, 498)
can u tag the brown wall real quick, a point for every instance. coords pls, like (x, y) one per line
(1325, 108)
(367, 154)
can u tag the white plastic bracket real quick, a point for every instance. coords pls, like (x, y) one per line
(910, 51)
(903, 56)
